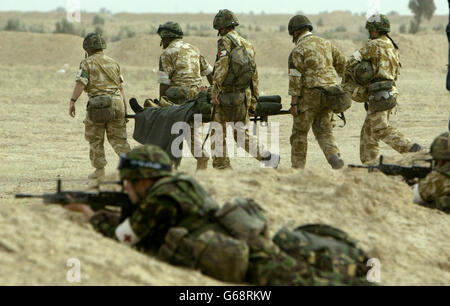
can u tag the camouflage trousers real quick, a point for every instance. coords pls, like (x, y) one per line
(116, 132)
(196, 147)
(377, 128)
(240, 118)
(311, 114)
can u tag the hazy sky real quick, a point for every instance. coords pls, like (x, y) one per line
(212, 6)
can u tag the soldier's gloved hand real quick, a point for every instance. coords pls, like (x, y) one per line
(72, 109)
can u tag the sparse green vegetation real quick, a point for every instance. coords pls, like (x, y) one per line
(65, 27)
(14, 25)
(97, 20)
(341, 29)
(124, 33)
(282, 28)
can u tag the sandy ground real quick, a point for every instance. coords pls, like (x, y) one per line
(40, 142)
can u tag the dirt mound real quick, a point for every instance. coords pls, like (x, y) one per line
(40, 49)
(420, 51)
(37, 240)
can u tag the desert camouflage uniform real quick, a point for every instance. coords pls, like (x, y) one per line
(435, 188)
(314, 63)
(222, 115)
(385, 61)
(175, 219)
(182, 65)
(97, 82)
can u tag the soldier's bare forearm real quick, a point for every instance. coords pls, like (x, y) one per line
(78, 90)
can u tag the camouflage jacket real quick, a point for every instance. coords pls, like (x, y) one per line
(314, 62)
(182, 64)
(221, 66)
(176, 200)
(101, 75)
(436, 184)
(384, 57)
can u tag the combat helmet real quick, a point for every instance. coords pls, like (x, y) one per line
(379, 23)
(440, 148)
(145, 162)
(299, 22)
(225, 19)
(363, 73)
(94, 42)
(170, 29)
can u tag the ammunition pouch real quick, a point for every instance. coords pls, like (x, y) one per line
(100, 109)
(243, 218)
(326, 248)
(213, 253)
(381, 97)
(234, 106)
(337, 99)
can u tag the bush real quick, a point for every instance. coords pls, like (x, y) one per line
(258, 29)
(99, 30)
(341, 29)
(402, 29)
(14, 25)
(65, 27)
(98, 20)
(320, 22)
(439, 28)
(36, 28)
(282, 28)
(124, 33)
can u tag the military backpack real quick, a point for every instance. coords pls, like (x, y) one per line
(326, 248)
(241, 66)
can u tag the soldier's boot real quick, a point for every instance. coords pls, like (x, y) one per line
(416, 148)
(97, 174)
(336, 162)
(202, 164)
(271, 161)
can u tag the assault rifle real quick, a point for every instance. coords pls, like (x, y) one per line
(408, 173)
(96, 200)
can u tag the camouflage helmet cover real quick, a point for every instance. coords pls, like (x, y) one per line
(299, 22)
(145, 162)
(363, 73)
(440, 148)
(225, 19)
(170, 29)
(379, 23)
(93, 42)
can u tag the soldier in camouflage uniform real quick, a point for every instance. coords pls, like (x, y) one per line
(434, 190)
(314, 64)
(100, 75)
(377, 65)
(174, 217)
(235, 92)
(181, 67)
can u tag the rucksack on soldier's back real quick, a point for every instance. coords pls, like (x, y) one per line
(241, 66)
(326, 248)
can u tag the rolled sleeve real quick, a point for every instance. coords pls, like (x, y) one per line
(205, 67)
(83, 74)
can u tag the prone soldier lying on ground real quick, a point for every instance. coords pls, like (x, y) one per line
(173, 217)
(434, 190)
